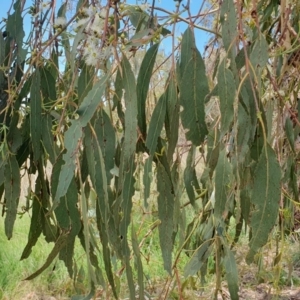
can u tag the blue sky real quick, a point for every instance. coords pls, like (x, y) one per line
(201, 36)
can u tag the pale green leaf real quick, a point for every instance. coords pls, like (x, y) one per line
(36, 114)
(156, 124)
(147, 179)
(139, 265)
(12, 192)
(198, 259)
(226, 90)
(193, 89)
(166, 204)
(228, 18)
(222, 184)
(14, 26)
(130, 97)
(265, 198)
(231, 274)
(142, 86)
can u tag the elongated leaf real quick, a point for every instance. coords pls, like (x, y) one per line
(222, 182)
(156, 124)
(193, 89)
(48, 87)
(147, 179)
(172, 116)
(265, 197)
(60, 243)
(228, 18)
(105, 246)
(48, 138)
(127, 181)
(259, 58)
(166, 203)
(259, 54)
(231, 274)
(136, 250)
(126, 204)
(198, 259)
(131, 112)
(91, 102)
(15, 27)
(243, 133)
(73, 138)
(35, 229)
(189, 175)
(12, 193)
(142, 86)
(100, 183)
(14, 136)
(226, 92)
(36, 114)
(107, 140)
(3, 162)
(85, 82)
(74, 134)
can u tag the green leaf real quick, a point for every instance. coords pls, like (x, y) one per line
(14, 26)
(60, 243)
(226, 91)
(35, 229)
(231, 274)
(67, 214)
(243, 134)
(36, 114)
(172, 116)
(85, 81)
(74, 135)
(265, 197)
(48, 138)
(48, 86)
(3, 162)
(138, 17)
(259, 54)
(222, 184)
(12, 193)
(100, 183)
(156, 124)
(73, 138)
(259, 58)
(147, 179)
(142, 87)
(193, 89)
(14, 136)
(139, 265)
(107, 140)
(228, 18)
(166, 204)
(126, 204)
(189, 175)
(198, 259)
(90, 103)
(130, 97)
(106, 249)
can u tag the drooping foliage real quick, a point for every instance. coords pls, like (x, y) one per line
(80, 118)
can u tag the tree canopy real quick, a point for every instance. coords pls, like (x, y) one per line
(103, 103)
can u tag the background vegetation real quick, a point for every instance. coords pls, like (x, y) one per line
(129, 162)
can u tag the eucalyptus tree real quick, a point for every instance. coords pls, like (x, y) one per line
(73, 103)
